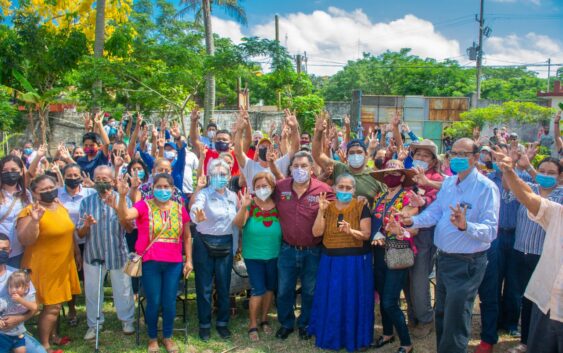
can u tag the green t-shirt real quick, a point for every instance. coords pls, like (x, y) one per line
(366, 185)
(262, 234)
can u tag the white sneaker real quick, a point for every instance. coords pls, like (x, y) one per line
(128, 328)
(91, 333)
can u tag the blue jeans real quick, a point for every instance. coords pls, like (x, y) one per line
(389, 286)
(294, 263)
(206, 268)
(160, 284)
(263, 275)
(458, 279)
(488, 295)
(509, 299)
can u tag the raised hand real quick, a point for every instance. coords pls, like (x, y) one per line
(201, 182)
(396, 121)
(245, 198)
(200, 215)
(163, 125)
(122, 185)
(420, 177)
(175, 131)
(120, 133)
(405, 127)
(531, 151)
(63, 151)
(373, 143)
(42, 150)
(271, 155)
(416, 200)
(117, 160)
(504, 162)
(99, 118)
(347, 120)
(161, 140)
(457, 216)
(37, 211)
(341, 155)
(290, 119)
(403, 154)
(320, 124)
(86, 181)
(194, 115)
(89, 220)
(557, 117)
(323, 202)
(139, 119)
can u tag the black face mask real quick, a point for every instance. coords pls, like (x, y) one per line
(221, 146)
(102, 186)
(49, 196)
(379, 163)
(4, 257)
(10, 178)
(73, 183)
(262, 153)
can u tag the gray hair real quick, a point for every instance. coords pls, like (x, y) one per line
(302, 154)
(345, 176)
(102, 167)
(218, 163)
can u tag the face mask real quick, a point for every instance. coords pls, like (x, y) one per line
(483, 158)
(344, 196)
(90, 151)
(495, 167)
(162, 195)
(489, 165)
(221, 146)
(73, 183)
(546, 181)
(262, 153)
(392, 180)
(10, 178)
(379, 163)
(340, 139)
(459, 164)
(141, 174)
(263, 193)
(102, 186)
(49, 196)
(4, 257)
(421, 164)
(218, 182)
(28, 151)
(211, 134)
(300, 175)
(304, 143)
(356, 160)
(170, 155)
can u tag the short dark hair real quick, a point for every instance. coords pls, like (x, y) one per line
(91, 136)
(223, 131)
(168, 178)
(70, 166)
(4, 237)
(211, 125)
(306, 133)
(552, 160)
(356, 143)
(35, 182)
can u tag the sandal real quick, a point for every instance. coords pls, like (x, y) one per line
(153, 350)
(172, 347)
(265, 325)
(520, 348)
(253, 334)
(60, 341)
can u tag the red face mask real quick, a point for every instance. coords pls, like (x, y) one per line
(91, 151)
(392, 180)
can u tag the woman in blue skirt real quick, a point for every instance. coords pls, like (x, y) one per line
(343, 306)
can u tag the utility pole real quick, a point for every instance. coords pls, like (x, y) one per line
(548, 73)
(298, 58)
(277, 22)
(480, 49)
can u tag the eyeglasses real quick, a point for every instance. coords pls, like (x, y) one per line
(460, 154)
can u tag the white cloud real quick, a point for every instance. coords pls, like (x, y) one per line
(531, 48)
(227, 29)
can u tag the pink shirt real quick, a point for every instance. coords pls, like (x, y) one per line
(429, 192)
(168, 247)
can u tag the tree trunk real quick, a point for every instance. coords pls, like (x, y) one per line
(99, 41)
(43, 124)
(209, 103)
(32, 127)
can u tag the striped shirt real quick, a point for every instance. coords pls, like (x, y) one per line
(105, 239)
(529, 234)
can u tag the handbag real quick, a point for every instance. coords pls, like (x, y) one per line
(216, 250)
(134, 264)
(398, 254)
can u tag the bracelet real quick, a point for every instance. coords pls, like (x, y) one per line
(530, 168)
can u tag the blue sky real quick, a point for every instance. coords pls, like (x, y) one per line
(523, 31)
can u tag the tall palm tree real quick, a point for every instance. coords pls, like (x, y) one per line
(99, 40)
(203, 9)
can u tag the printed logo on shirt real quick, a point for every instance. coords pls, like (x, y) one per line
(313, 199)
(463, 204)
(286, 195)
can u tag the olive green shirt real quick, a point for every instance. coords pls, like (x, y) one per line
(366, 185)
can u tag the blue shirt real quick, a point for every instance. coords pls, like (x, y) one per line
(105, 239)
(529, 234)
(220, 211)
(89, 166)
(72, 204)
(508, 204)
(481, 196)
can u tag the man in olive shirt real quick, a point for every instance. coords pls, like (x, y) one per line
(356, 151)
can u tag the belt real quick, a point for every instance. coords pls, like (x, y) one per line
(299, 247)
(507, 229)
(464, 257)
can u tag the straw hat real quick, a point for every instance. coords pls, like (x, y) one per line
(427, 145)
(395, 166)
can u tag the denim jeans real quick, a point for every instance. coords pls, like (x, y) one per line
(206, 268)
(509, 299)
(293, 264)
(488, 295)
(262, 275)
(389, 286)
(524, 265)
(160, 285)
(458, 279)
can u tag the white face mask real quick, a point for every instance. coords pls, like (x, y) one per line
(211, 134)
(170, 155)
(263, 193)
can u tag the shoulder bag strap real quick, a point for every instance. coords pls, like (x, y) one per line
(165, 227)
(5, 215)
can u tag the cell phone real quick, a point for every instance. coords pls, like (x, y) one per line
(340, 219)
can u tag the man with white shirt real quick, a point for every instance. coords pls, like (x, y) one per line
(465, 214)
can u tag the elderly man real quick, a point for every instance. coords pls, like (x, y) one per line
(105, 240)
(466, 217)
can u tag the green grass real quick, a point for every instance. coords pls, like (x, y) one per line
(112, 340)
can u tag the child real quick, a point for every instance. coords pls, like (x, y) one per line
(21, 300)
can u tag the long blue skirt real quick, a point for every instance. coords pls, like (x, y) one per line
(343, 306)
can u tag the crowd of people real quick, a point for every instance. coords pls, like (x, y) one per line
(343, 222)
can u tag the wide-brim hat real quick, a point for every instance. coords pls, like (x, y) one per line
(395, 166)
(427, 145)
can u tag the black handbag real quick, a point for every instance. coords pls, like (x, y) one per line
(217, 249)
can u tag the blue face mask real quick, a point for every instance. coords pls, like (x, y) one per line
(141, 174)
(496, 168)
(162, 195)
(344, 196)
(356, 160)
(218, 182)
(459, 164)
(421, 164)
(546, 181)
(28, 151)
